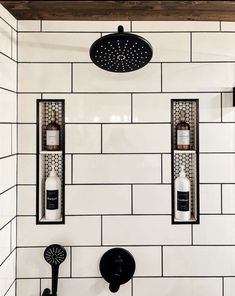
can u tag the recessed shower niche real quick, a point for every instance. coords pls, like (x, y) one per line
(50, 162)
(185, 161)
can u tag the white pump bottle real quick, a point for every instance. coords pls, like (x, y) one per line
(53, 196)
(182, 197)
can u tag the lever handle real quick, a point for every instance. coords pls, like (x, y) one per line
(114, 287)
(46, 292)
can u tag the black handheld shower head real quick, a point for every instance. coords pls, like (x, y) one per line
(55, 255)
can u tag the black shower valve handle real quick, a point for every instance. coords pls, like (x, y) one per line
(115, 284)
(117, 266)
(46, 292)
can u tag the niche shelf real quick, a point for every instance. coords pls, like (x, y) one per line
(188, 158)
(47, 159)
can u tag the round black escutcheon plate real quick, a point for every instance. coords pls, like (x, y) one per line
(117, 267)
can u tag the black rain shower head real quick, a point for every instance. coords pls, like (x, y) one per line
(121, 52)
(55, 255)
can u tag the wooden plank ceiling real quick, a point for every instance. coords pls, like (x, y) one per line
(122, 10)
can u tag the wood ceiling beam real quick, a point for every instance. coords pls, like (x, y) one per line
(123, 10)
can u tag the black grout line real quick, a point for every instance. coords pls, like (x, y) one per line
(9, 122)
(40, 25)
(117, 183)
(40, 286)
(7, 257)
(101, 138)
(7, 89)
(132, 200)
(14, 282)
(115, 215)
(11, 44)
(221, 193)
(91, 63)
(222, 286)
(132, 287)
(145, 246)
(101, 223)
(137, 277)
(117, 153)
(131, 109)
(161, 72)
(8, 189)
(71, 168)
(221, 107)
(146, 123)
(11, 139)
(162, 272)
(134, 31)
(136, 184)
(17, 148)
(5, 55)
(123, 92)
(191, 47)
(11, 248)
(9, 24)
(71, 262)
(130, 215)
(192, 235)
(71, 77)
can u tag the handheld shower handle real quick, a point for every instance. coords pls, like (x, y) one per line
(55, 275)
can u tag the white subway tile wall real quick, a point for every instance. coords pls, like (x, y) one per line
(89, 78)
(118, 164)
(29, 25)
(8, 151)
(53, 47)
(86, 260)
(179, 286)
(87, 286)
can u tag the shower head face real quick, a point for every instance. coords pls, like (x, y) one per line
(55, 254)
(121, 52)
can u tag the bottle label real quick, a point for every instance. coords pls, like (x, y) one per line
(52, 199)
(53, 138)
(182, 201)
(183, 137)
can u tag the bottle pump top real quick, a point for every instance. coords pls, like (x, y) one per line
(182, 171)
(53, 172)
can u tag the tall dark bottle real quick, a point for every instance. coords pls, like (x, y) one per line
(53, 134)
(183, 133)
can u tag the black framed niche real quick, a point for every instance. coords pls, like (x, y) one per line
(188, 158)
(47, 159)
